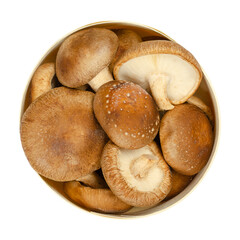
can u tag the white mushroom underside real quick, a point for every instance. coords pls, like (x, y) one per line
(182, 75)
(101, 78)
(153, 175)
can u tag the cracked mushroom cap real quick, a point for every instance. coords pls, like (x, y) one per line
(138, 177)
(84, 54)
(95, 199)
(186, 138)
(127, 113)
(60, 136)
(163, 67)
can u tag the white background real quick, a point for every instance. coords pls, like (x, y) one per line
(209, 29)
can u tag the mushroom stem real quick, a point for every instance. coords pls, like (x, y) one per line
(140, 166)
(103, 77)
(158, 84)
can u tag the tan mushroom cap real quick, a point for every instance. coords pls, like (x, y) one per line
(163, 67)
(127, 113)
(60, 135)
(84, 54)
(138, 177)
(186, 138)
(41, 80)
(179, 183)
(98, 200)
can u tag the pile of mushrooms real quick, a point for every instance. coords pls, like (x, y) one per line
(121, 128)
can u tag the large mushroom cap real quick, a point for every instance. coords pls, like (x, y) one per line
(139, 177)
(166, 68)
(60, 135)
(186, 138)
(84, 54)
(127, 113)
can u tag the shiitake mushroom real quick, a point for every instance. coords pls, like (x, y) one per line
(50, 126)
(127, 113)
(61, 136)
(139, 177)
(186, 138)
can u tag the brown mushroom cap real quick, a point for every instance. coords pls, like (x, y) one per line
(127, 113)
(179, 183)
(60, 135)
(138, 177)
(84, 54)
(41, 80)
(186, 138)
(164, 67)
(98, 200)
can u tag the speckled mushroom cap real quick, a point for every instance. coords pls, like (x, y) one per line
(84, 54)
(98, 200)
(165, 68)
(186, 138)
(60, 135)
(138, 177)
(127, 113)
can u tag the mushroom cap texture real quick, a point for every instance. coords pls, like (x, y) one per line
(120, 186)
(127, 113)
(60, 135)
(159, 47)
(186, 138)
(84, 54)
(41, 80)
(98, 200)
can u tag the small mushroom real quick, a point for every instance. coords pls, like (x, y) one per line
(127, 113)
(84, 57)
(186, 138)
(199, 103)
(138, 177)
(179, 183)
(127, 38)
(42, 80)
(165, 68)
(60, 135)
(98, 200)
